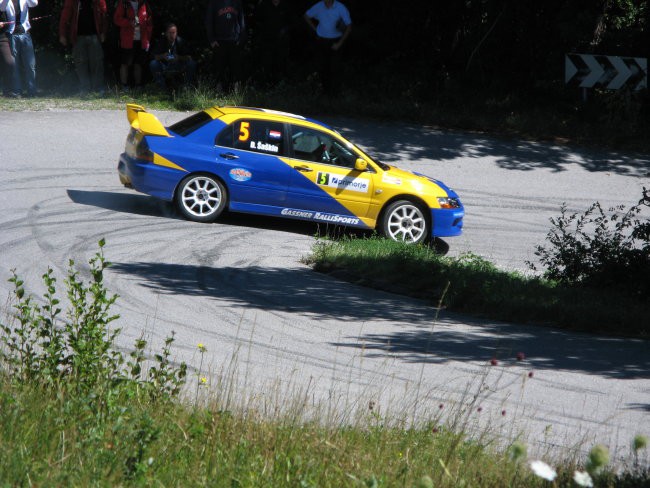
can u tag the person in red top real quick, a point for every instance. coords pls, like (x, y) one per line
(83, 25)
(135, 21)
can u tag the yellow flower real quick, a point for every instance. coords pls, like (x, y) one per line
(203, 380)
(202, 347)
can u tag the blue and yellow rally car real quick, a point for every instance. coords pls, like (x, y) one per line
(272, 163)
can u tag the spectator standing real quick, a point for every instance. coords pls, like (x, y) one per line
(135, 21)
(332, 27)
(83, 25)
(23, 78)
(273, 24)
(226, 27)
(171, 55)
(7, 63)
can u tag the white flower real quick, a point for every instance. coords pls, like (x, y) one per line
(583, 479)
(543, 470)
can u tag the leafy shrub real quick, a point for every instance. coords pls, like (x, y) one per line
(600, 249)
(39, 346)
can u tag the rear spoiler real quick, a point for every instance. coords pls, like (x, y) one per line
(145, 122)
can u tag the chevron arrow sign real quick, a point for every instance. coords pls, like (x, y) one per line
(610, 72)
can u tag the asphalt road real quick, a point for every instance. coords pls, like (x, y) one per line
(285, 337)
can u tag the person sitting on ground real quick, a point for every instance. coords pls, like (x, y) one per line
(171, 56)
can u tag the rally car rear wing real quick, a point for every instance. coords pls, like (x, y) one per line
(145, 122)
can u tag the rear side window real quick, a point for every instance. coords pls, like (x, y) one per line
(190, 124)
(263, 136)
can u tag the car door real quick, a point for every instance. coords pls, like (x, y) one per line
(249, 150)
(323, 177)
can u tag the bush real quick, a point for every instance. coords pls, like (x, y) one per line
(599, 249)
(38, 346)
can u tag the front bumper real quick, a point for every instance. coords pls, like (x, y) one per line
(447, 222)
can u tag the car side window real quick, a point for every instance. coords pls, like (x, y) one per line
(320, 147)
(262, 136)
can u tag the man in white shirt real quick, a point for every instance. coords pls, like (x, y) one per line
(331, 22)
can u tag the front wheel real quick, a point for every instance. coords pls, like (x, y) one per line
(201, 198)
(405, 221)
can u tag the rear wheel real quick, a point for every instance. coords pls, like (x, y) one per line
(201, 198)
(405, 221)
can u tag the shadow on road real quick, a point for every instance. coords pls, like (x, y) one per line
(426, 143)
(139, 204)
(418, 337)
(543, 348)
(135, 203)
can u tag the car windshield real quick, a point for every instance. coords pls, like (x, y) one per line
(382, 165)
(379, 163)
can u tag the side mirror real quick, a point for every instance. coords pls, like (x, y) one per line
(361, 164)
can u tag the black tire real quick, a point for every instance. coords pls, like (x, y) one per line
(406, 221)
(201, 198)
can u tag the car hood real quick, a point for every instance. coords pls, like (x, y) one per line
(421, 183)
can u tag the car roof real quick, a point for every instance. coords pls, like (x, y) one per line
(263, 113)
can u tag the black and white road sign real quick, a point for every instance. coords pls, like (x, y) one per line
(610, 72)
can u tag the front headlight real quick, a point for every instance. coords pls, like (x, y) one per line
(446, 202)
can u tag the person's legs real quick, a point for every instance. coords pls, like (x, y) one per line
(137, 74)
(219, 58)
(189, 67)
(96, 64)
(158, 72)
(28, 63)
(140, 59)
(327, 61)
(80, 56)
(14, 42)
(236, 63)
(126, 60)
(7, 65)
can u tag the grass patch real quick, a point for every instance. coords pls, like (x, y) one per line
(48, 441)
(471, 284)
(186, 99)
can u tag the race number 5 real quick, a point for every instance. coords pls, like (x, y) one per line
(322, 179)
(244, 132)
